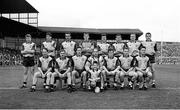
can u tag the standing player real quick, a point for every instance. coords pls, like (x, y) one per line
(28, 50)
(50, 45)
(44, 70)
(79, 62)
(142, 67)
(62, 70)
(87, 46)
(118, 45)
(127, 68)
(69, 46)
(111, 67)
(151, 51)
(103, 45)
(133, 44)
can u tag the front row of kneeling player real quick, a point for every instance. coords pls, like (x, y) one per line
(94, 71)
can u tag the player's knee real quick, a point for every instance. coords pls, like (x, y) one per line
(122, 74)
(93, 84)
(36, 74)
(149, 74)
(69, 74)
(140, 74)
(103, 72)
(84, 73)
(74, 73)
(49, 74)
(53, 74)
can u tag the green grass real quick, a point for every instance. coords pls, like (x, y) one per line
(166, 95)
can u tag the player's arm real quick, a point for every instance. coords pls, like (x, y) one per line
(155, 49)
(75, 46)
(61, 47)
(117, 65)
(56, 68)
(136, 66)
(70, 66)
(50, 65)
(22, 50)
(105, 65)
(148, 66)
(121, 66)
(92, 46)
(39, 67)
(87, 65)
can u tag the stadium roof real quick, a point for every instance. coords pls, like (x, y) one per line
(16, 6)
(8, 26)
(90, 30)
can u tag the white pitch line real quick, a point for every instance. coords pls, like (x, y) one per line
(168, 88)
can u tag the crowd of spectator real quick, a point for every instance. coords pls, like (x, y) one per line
(170, 54)
(9, 57)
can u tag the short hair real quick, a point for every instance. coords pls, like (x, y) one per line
(148, 33)
(133, 35)
(118, 35)
(103, 34)
(78, 48)
(142, 47)
(62, 51)
(48, 33)
(96, 49)
(28, 35)
(67, 34)
(86, 33)
(44, 49)
(95, 62)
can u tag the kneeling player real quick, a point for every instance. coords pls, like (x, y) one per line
(44, 70)
(94, 80)
(79, 62)
(111, 67)
(95, 57)
(127, 68)
(62, 70)
(143, 70)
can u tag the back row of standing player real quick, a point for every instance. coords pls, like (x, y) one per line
(78, 59)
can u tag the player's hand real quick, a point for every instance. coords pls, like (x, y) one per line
(43, 75)
(152, 53)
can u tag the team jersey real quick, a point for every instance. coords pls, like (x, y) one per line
(45, 63)
(103, 46)
(133, 46)
(99, 59)
(111, 63)
(28, 47)
(79, 62)
(126, 62)
(69, 47)
(142, 62)
(151, 47)
(63, 64)
(50, 46)
(118, 47)
(87, 45)
(94, 74)
(1, 57)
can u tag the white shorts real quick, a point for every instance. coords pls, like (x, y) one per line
(131, 73)
(149, 73)
(112, 73)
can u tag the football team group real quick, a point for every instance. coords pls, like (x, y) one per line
(97, 65)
